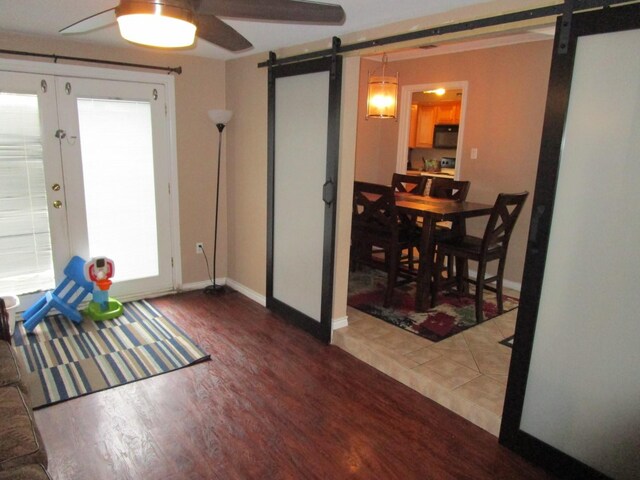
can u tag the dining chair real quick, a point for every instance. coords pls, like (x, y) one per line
(449, 188)
(415, 184)
(409, 183)
(376, 224)
(491, 247)
(452, 190)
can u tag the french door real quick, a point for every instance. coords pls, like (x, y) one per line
(85, 171)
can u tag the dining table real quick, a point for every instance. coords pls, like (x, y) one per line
(433, 210)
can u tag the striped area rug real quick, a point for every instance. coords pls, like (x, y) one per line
(65, 360)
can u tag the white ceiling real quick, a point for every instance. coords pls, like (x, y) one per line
(46, 17)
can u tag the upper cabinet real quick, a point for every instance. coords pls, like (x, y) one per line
(425, 117)
(448, 113)
(424, 126)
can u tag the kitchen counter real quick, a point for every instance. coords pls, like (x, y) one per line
(443, 173)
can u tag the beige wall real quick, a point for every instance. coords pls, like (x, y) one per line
(247, 141)
(504, 115)
(199, 88)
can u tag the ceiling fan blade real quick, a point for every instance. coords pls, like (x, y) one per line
(276, 10)
(93, 22)
(216, 31)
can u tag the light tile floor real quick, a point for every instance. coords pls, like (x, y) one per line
(466, 373)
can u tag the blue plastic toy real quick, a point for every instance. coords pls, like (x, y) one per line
(65, 298)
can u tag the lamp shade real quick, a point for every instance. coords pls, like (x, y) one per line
(382, 97)
(220, 116)
(155, 24)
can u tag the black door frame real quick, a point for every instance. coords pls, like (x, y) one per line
(607, 20)
(332, 64)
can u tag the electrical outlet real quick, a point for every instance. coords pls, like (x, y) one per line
(199, 247)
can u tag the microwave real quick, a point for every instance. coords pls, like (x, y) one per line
(445, 136)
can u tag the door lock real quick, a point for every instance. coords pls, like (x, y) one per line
(57, 204)
(55, 187)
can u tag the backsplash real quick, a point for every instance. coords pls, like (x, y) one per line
(416, 154)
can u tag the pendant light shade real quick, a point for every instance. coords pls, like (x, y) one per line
(382, 94)
(155, 24)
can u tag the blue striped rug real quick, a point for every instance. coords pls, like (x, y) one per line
(65, 360)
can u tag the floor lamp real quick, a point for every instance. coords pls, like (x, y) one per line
(220, 118)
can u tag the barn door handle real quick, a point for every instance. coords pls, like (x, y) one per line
(328, 192)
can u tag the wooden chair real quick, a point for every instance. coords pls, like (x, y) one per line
(375, 223)
(409, 183)
(453, 190)
(449, 188)
(415, 184)
(492, 246)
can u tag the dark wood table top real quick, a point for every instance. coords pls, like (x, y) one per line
(438, 208)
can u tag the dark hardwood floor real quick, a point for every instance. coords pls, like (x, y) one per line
(273, 403)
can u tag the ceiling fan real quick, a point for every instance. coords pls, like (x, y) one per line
(151, 22)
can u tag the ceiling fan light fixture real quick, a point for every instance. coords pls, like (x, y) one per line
(156, 24)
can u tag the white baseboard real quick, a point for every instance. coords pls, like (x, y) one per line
(340, 322)
(188, 287)
(247, 292)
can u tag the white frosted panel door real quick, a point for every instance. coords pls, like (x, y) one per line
(583, 388)
(300, 172)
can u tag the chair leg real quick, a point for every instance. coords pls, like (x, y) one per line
(392, 275)
(449, 267)
(482, 266)
(500, 303)
(461, 273)
(437, 278)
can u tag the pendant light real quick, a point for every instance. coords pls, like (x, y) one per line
(382, 93)
(156, 24)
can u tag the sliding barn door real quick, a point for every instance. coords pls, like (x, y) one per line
(574, 388)
(304, 103)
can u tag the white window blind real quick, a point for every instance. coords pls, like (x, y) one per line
(25, 243)
(118, 171)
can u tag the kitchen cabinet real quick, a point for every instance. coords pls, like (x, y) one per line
(424, 126)
(425, 117)
(413, 126)
(447, 113)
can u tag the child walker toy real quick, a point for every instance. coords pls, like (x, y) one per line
(99, 270)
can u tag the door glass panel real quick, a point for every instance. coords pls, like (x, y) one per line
(118, 172)
(301, 126)
(26, 263)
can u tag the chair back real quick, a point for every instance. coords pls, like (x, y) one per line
(449, 188)
(409, 183)
(374, 209)
(503, 218)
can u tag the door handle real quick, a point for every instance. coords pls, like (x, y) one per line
(55, 187)
(57, 204)
(328, 192)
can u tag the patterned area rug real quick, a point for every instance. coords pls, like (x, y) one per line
(453, 313)
(66, 360)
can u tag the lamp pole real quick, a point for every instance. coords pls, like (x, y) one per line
(220, 117)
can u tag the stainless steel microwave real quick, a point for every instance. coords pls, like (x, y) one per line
(445, 136)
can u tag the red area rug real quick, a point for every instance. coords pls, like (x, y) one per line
(453, 313)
